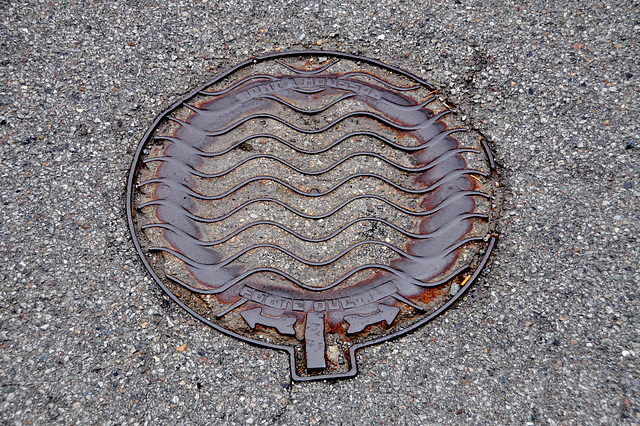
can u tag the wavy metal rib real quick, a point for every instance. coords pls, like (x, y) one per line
(410, 107)
(308, 111)
(399, 274)
(341, 98)
(289, 253)
(309, 91)
(239, 83)
(334, 234)
(310, 72)
(285, 103)
(331, 212)
(306, 262)
(315, 194)
(337, 121)
(382, 81)
(342, 139)
(443, 157)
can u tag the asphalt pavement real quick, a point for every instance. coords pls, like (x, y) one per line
(549, 333)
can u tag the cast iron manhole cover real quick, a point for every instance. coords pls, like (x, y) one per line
(315, 202)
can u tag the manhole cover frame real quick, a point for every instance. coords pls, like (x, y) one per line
(490, 243)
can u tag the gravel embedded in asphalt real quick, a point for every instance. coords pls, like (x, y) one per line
(547, 335)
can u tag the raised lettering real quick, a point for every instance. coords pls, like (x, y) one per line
(333, 304)
(319, 306)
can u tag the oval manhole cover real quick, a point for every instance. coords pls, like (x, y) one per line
(315, 202)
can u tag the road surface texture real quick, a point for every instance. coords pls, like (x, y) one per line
(549, 333)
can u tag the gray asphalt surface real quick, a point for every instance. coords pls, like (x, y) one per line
(548, 335)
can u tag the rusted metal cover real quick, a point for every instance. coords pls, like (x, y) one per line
(315, 202)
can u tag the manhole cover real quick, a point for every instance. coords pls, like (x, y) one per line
(315, 202)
